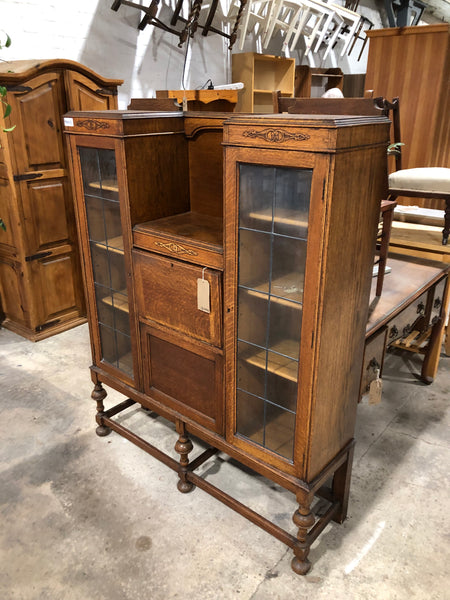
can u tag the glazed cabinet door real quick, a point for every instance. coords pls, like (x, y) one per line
(101, 223)
(267, 239)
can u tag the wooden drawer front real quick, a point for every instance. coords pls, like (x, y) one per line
(401, 325)
(189, 252)
(184, 375)
(373, 358)
(167, 294)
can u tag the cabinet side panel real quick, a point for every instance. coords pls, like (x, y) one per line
(358, 185)
(396, 58)
(12, 293)
(206, 173)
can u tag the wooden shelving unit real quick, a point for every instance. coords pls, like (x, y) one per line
(313, 82)
(261, 74)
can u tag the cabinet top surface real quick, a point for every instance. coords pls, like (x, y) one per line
(123, 114)
(23, 69)
(294, 120)
(413, 30)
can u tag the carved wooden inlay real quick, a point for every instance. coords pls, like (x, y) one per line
(275, 135)
(176, 248)
(93, 124)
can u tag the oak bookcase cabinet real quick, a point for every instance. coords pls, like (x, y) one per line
(240, 316)
(40, 278)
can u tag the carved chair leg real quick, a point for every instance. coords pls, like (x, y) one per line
(183, 446)
(99, 394)
(304, 519)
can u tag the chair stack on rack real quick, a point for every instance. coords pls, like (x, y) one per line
(351, 21)
(316, 21)
(319, 22)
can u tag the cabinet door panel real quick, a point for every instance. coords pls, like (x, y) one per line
(272, 230)
(37, 137)
(85, 94)
(47, 212)
(184, 375)
(113, 346)
(55, 277)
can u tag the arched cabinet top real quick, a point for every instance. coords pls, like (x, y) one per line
(17, 71)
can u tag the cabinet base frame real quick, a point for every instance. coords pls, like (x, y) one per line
(309, 527)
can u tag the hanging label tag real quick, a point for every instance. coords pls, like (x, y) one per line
(376, 389)
(203, 295)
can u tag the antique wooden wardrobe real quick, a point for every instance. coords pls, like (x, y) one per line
(240, 316)
(41, 288)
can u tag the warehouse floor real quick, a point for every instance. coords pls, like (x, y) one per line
(87, 518)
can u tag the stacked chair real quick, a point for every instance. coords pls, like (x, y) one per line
(320, 23)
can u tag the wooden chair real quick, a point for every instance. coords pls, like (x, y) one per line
(351, 20)
(255, 14)
(360, 33)
(327, 106)
(154, 104)
(348, 106)
(423, 182)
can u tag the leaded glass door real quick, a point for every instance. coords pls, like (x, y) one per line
(101, 195)
(272, 233)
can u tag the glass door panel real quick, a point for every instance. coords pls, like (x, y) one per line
(273, 228)
(101, 194)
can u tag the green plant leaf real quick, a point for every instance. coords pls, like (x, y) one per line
(2, 225)
(7, 111)
(8, 129)
(8, 41)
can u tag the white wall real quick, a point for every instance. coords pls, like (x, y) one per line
(109, 42)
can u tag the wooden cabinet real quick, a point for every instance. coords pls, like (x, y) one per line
(243, 313)
(40, 277)
(261, 74)
(413, 63)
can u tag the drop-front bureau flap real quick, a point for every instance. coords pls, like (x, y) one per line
(167, 292)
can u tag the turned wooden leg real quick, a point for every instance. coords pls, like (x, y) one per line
(341, 486)
(99, 394)
(183, 446)
(304, 519)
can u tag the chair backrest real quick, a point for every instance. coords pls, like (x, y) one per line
(157, 104)
(328, 106)
(392, 110)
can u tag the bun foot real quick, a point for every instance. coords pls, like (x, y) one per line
(185, 486)
(301, 567)
(102, 430)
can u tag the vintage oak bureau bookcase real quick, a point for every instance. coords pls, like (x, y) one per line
(238, 315)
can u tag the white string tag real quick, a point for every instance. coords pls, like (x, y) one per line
(376, 389)
(203, 296)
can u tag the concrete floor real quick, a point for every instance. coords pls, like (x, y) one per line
(87, 518)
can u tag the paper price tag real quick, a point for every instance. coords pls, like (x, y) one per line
(203, 301)
(68, 122)
(376, 389)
